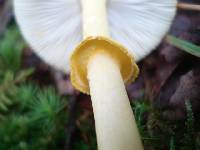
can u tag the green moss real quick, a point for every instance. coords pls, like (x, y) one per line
(30, 117)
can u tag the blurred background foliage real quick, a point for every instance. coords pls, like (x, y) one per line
(30, 117)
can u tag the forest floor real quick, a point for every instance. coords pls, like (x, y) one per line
(165, 98)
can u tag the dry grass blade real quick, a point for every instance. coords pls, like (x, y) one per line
(188, 6)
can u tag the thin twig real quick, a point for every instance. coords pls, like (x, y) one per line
(187, 6)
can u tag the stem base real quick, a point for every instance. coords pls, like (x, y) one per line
(115, 124)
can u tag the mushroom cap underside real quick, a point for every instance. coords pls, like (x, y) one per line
(53, 28)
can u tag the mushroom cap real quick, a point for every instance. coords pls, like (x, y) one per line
(53, 28)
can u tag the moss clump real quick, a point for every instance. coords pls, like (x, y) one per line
(30, 117)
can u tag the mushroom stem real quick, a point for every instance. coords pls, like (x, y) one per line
(94, 18)
(115, 124)
(187, 6)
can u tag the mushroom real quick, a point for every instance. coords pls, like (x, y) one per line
(99, 65)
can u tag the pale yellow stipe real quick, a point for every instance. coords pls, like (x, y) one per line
(94, 16)
(100, 67)
(115, 124)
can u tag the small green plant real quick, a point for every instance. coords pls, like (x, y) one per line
(38, 122)
(30, 117)
(172, 144)
(10, 73)
(9, 88)
(189, 136)
(11, 47)
(140, 109)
